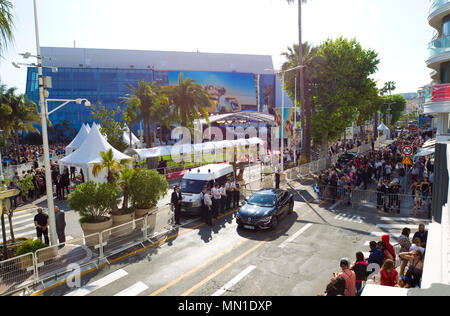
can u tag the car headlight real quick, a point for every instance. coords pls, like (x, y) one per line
(196, 203)
(266, 219)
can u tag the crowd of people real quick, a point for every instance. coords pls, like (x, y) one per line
(381, 265)
(381, 170)
(29, 153)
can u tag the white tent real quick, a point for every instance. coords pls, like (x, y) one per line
(200, 147)
(88, 127)
(136, 143)
(89, 153)
(385, 130)
(78, 140)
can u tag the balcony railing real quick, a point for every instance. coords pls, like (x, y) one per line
(436, 4)
(439, 46)
(437, 93)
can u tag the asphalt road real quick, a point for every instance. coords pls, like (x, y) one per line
(295, 259)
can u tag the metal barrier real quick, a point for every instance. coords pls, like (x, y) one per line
(30, 269)
(17, 272)
(57, 259)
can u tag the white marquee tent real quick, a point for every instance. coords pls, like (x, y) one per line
(78, 140)
(201, 147)
(385, 130)
(136, 143)
(89, 153)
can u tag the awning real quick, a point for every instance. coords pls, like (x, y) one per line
(429, 143)
(189, 149)
(425, 152)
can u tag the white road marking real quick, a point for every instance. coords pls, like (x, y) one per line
(301, 231)
(134, 290)
(234, 281)
(89, 288)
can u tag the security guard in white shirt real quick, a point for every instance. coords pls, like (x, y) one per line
(216, 200)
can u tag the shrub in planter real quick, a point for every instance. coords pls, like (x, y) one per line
(26, 247)
(94, 201)
(146, 188)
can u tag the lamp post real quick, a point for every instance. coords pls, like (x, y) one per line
(283, 73)
(44, 116)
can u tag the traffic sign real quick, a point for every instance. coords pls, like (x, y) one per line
(407, 161)
(407, 150)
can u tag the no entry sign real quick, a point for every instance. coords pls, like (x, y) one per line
(407, 150)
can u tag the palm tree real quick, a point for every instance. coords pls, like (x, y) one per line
(145, 97)
(189, 101)
(24, 114)
(388, 86)
(6, 24)
(305, 103)
(5, 111)
(112, 166)
(125, 184)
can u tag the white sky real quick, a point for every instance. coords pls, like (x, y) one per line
(397, 30)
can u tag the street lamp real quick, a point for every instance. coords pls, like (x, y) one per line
(283, 73)
(44, 116)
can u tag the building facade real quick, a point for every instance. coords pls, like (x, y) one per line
(235, 82)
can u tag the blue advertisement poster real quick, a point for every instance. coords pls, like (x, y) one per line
(229, 92)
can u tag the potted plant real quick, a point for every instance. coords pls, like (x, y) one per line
(126, 213)
(146, 188)
(94, 202)
(25, 185)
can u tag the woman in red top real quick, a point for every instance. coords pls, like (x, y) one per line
(390, 248)
(388, 275)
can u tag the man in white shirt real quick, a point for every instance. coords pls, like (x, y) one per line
(229, 192)
(215, 200)
(208, 204)
(223, 198)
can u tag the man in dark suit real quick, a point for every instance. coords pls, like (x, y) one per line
(60, 220)
(176, 202)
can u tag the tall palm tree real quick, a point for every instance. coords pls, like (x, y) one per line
(24, 114)
(6, 24)
(306, 106)
(5, 111)
(145, 97)
(189, 101)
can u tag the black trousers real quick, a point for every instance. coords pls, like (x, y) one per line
(208, 215)
(177, 211)
(236, 198)
(40, 232)
(229, 199)
(215, 208)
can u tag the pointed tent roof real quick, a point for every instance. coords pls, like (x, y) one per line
(126, 138)
(88, 127)
(382, 126)
(89, 152)
(78, 140)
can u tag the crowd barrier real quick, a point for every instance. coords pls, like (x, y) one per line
(25, 272)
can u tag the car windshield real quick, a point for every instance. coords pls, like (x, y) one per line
(192, 186)
(264, 200)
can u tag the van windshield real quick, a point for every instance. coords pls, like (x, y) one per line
(192, 186)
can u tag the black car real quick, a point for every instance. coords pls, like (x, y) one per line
(346, 158)
(265, 208)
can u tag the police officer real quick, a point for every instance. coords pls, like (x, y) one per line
(176, 202)
(229, 192)
(223, 198)
(215, 201)
(208, 207)
(236, 194)
(204, 208)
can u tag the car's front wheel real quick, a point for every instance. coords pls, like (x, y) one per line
(274, 223)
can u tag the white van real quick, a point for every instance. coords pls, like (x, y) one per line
(196, 179)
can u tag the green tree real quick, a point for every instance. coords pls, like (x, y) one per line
(6, 24)
(343, 88)
(397, 104)
(189, 101)
(112, 128)
(146, 97)
(112, 166)
(388, 87)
